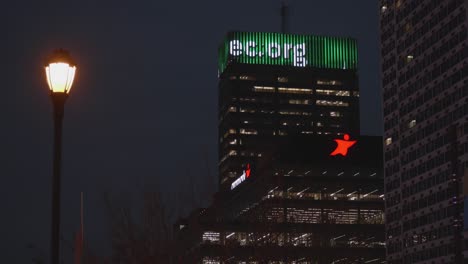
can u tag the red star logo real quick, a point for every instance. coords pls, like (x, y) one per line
(247, 171)
(343, 146)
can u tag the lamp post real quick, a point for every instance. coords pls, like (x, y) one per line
(60, 72)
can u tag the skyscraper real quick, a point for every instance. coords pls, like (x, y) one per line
(424, 78)
(274, 86)
(298, 183)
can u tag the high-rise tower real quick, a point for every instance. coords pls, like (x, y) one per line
(298, 183)
(276, 85)
(424, 78)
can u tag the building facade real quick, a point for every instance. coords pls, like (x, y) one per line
(299, 204)
(274, 85)
(424, 79)
(297, 181)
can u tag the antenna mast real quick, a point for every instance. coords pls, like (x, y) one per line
(284, 16)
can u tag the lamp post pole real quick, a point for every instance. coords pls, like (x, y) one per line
(58, 100)
(60, 72)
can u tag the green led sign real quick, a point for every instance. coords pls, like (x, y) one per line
(288, 50)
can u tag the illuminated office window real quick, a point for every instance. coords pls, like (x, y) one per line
(211, 236)
(246, 110)
(335, 114)
(247, 99)
(332, 92)
(329, 82)
(248, 131)
(264, 89)
(283, 79)
(331, 103)
(296, 113)
(246, 78)
(231, 131)
(409, 58)
(266, 111)
(208, 260)
(383, 8)
(294, 90)
(299, 101)
(232, 109)
(388, 141)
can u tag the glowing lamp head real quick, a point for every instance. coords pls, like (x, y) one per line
(60, 71)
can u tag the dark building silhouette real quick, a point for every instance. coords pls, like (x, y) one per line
(424, 79)
(298, 184)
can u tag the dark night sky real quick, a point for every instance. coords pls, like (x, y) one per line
(143, 109)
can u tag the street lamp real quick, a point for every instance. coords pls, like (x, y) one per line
(60, 72)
